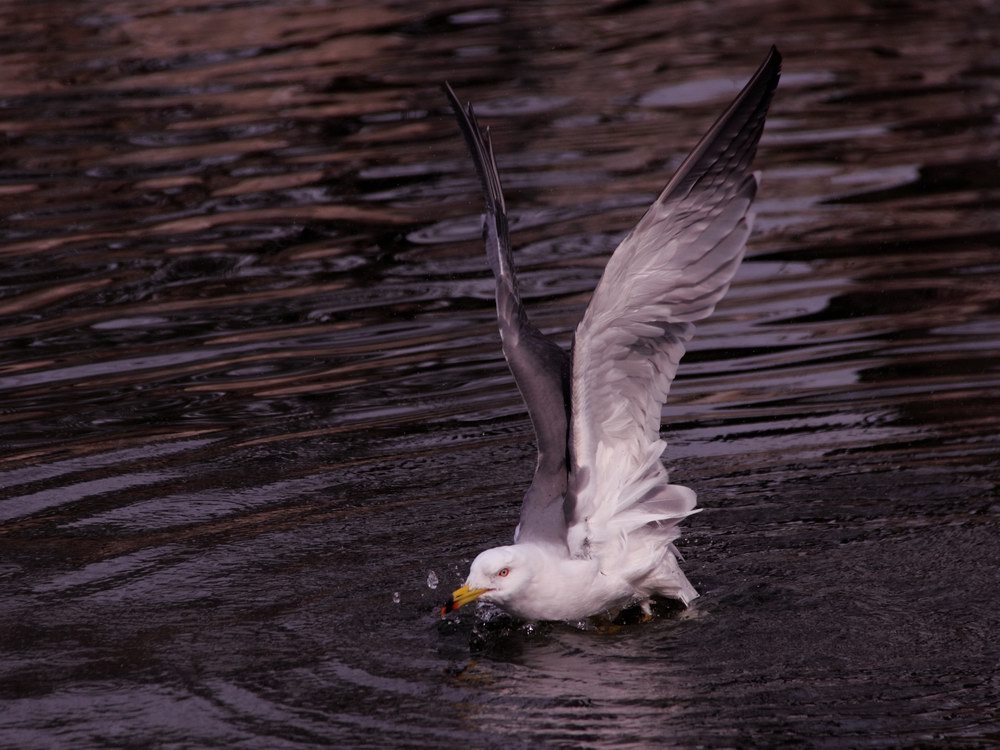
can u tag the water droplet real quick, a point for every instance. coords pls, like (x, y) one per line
(432, 580)
(395, 597)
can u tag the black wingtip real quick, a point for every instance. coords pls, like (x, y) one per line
(774, 60)
(452, 96)
(481, 149)
(462, 113)
(770, 68)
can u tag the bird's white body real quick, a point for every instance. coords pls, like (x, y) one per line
(545, 583)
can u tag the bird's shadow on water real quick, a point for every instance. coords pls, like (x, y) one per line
(495, 635)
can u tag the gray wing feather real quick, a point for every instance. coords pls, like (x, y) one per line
(670, 271)
(540, 366)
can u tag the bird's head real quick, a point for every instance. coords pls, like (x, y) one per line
(496, 575)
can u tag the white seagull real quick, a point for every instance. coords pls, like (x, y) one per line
(599, 520)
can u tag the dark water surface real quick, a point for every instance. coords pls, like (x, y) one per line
(252, 395)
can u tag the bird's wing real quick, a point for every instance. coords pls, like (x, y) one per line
(540, 366)
(669, 271)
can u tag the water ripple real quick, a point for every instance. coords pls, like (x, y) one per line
(252, 388)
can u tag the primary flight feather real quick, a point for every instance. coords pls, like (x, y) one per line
(598, 522)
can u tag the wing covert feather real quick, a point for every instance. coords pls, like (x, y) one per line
(671, 270)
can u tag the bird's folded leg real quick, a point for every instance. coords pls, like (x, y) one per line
(646, 605)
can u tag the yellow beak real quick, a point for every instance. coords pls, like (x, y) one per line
(461, 597)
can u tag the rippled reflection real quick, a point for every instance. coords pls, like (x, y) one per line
(252, 392)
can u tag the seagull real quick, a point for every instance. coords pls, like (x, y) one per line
(599, 520)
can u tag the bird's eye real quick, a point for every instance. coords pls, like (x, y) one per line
(503, 572)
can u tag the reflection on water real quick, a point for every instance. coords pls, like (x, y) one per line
(252, 386)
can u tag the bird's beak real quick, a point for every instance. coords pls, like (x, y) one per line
(461, 597)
